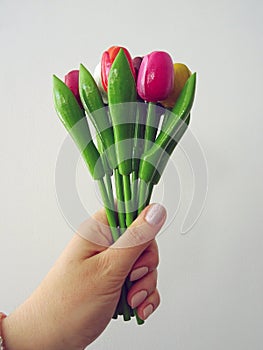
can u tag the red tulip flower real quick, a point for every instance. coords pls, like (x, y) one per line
(72, 82)
(108, 58)
(156, 76)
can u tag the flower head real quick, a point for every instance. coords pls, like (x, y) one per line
(181, 75)
(108, 58)
(155, 77)
(72, 82)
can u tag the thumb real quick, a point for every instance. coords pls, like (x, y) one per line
(127, 249)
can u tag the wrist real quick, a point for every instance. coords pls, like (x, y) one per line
(13, 332)
(31, 327)
(20, 329)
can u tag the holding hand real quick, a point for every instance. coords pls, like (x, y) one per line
(78, 297)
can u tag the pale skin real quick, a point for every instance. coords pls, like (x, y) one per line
(77, 299)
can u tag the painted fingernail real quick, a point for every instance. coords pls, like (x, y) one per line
(147, 311)
(138, 298)
(155, 214)
(138, 273)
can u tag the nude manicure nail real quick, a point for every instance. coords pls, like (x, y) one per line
(155, 214)
(138, 273)
(147, 311)
(138, 298)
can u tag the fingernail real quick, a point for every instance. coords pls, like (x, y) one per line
(138, 273)
(138, 298)
(147, 311)
(155, 214)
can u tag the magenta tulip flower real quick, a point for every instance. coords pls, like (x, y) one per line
(156, 77)
(72, 82)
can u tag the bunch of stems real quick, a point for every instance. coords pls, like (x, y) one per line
(132, 193)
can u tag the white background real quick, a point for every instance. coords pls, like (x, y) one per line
(210, 280)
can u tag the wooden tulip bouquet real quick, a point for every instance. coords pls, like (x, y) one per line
(140, 109)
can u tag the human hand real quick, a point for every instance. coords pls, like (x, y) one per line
(78, 297)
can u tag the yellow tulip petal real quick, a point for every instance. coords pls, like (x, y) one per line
(181, 75)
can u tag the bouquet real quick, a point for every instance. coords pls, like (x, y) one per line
(140, 109)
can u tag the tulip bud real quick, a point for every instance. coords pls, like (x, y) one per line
(72, 82)
(108, 58)
(181, 75)
(155, 77)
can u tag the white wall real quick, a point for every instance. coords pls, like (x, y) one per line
(210, 279)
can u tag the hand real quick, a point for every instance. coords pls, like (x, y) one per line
(78, 297)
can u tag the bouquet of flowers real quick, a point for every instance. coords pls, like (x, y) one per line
(140, 109)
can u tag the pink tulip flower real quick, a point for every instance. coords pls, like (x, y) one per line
(72, 82)
(156, 76)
